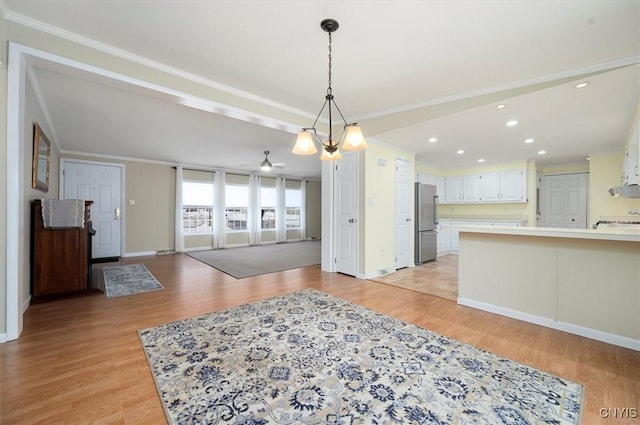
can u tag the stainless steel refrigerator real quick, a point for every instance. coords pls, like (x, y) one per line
(426, 220)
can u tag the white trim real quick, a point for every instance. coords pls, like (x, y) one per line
(15, 193)
(3, 338)
(622, 341)
(42, 59)
(199, 248)
(139, 254)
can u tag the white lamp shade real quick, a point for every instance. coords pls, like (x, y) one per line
(304, 144)
(353, 140)
(326, 156)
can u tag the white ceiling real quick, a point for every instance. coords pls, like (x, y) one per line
(406, 70)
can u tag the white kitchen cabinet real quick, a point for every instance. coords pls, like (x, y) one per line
(504, 186)
(490, 187)
(513, 186)
(454, 187)
(441, 187)
(444, 239)
(471, 191)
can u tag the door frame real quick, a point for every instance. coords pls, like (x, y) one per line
(123, 210)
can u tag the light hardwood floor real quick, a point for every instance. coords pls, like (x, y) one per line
(439, 278)
(79, 361)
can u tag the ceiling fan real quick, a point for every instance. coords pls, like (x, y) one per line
(266, 164)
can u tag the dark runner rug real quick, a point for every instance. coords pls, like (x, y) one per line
(310, 358)
(128, 280)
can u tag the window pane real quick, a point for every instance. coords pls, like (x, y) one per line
(236, 196)
(197, 220)
(293, 197)
(236, 219)
(268, 218)
(197, 193)
(293, 218)
(268, 196)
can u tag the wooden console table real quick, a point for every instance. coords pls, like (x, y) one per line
(60, 258)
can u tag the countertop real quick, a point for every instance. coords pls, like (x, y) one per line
(610, 234)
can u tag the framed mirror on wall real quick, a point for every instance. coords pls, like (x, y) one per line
(41, 159)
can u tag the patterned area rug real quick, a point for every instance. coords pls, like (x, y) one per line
(310, 358)
(128, 280)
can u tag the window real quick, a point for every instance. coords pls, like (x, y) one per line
(237, 203)
(197, 207)
(268, 208)
(293, 201)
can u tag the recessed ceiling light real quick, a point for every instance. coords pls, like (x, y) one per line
(541, 152)
(582, 85)
(481, 160)
(460, 151)
(528, 140)
(501, 106)
(433, 140)
(512, 123)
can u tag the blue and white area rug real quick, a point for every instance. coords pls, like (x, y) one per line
(310, 358)
(128, 280)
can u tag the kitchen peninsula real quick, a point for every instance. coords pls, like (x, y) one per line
(582, 281)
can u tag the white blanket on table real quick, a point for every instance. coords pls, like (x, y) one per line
(63, 213)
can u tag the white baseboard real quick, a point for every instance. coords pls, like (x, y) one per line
(622, 341)
(3, 338)
(26, 304)
(139, 254)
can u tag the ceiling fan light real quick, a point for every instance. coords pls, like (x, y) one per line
(304, 144)
(265, 165)
(353, 140)
(330, 156)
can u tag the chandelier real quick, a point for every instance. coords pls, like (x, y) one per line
(352, 138)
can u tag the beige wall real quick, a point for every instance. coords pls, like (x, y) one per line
(33, 113)
(377, 207)
(313, 210)
(604, 172)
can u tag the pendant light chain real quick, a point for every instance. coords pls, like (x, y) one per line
(329, 88)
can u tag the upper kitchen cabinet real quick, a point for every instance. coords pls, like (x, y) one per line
(631, 165)
(505, 186)
(513, 186)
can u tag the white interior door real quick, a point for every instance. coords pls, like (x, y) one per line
(347, 214)
(575, 200)
(404, 225)
(553, 195)
(101, 184)
(565, 200)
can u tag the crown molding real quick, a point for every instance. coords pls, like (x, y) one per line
(577, 73)
(123, 54)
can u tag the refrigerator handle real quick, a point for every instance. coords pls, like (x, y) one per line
(436, 202)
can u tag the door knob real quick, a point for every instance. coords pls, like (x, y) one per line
(117, 213)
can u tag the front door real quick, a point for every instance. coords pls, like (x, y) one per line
(347, 214)
(101, 184)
